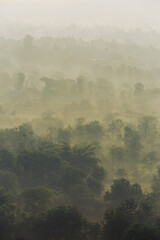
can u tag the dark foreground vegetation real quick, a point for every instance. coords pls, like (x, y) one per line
(79, 140)
(56, 190)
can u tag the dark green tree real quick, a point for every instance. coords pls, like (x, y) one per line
(36, 200)
(122, 190)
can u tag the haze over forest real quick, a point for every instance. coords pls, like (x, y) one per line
(79, 120)
(18, 15)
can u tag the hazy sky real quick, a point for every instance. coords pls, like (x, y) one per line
(123, 13)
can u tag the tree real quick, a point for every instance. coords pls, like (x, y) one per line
(28, 48)
(80, 84)
(98, 173)
(94, 130)
(122, 190)
(71, 176)
(64, 135)
(7, 160)
(132, 143)
(62, 223)
(140, 232)
(95, 186)
(79, 131)
(139, 87)
(132, 139)
(156, 182)
(28, 41)
(20, 79)
(148, 127)
(35, 168)
(65, 152)
(117, 154)
(84, 157)
(115, 223)
(49, 82)
(128, 222)
(9, 181)
(7, 216)
(18, 138)
(150, 159)
(116, 128)
(36, 200)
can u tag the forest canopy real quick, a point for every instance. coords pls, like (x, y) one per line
(79, 139)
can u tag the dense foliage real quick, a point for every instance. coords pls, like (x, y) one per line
(79, 140)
